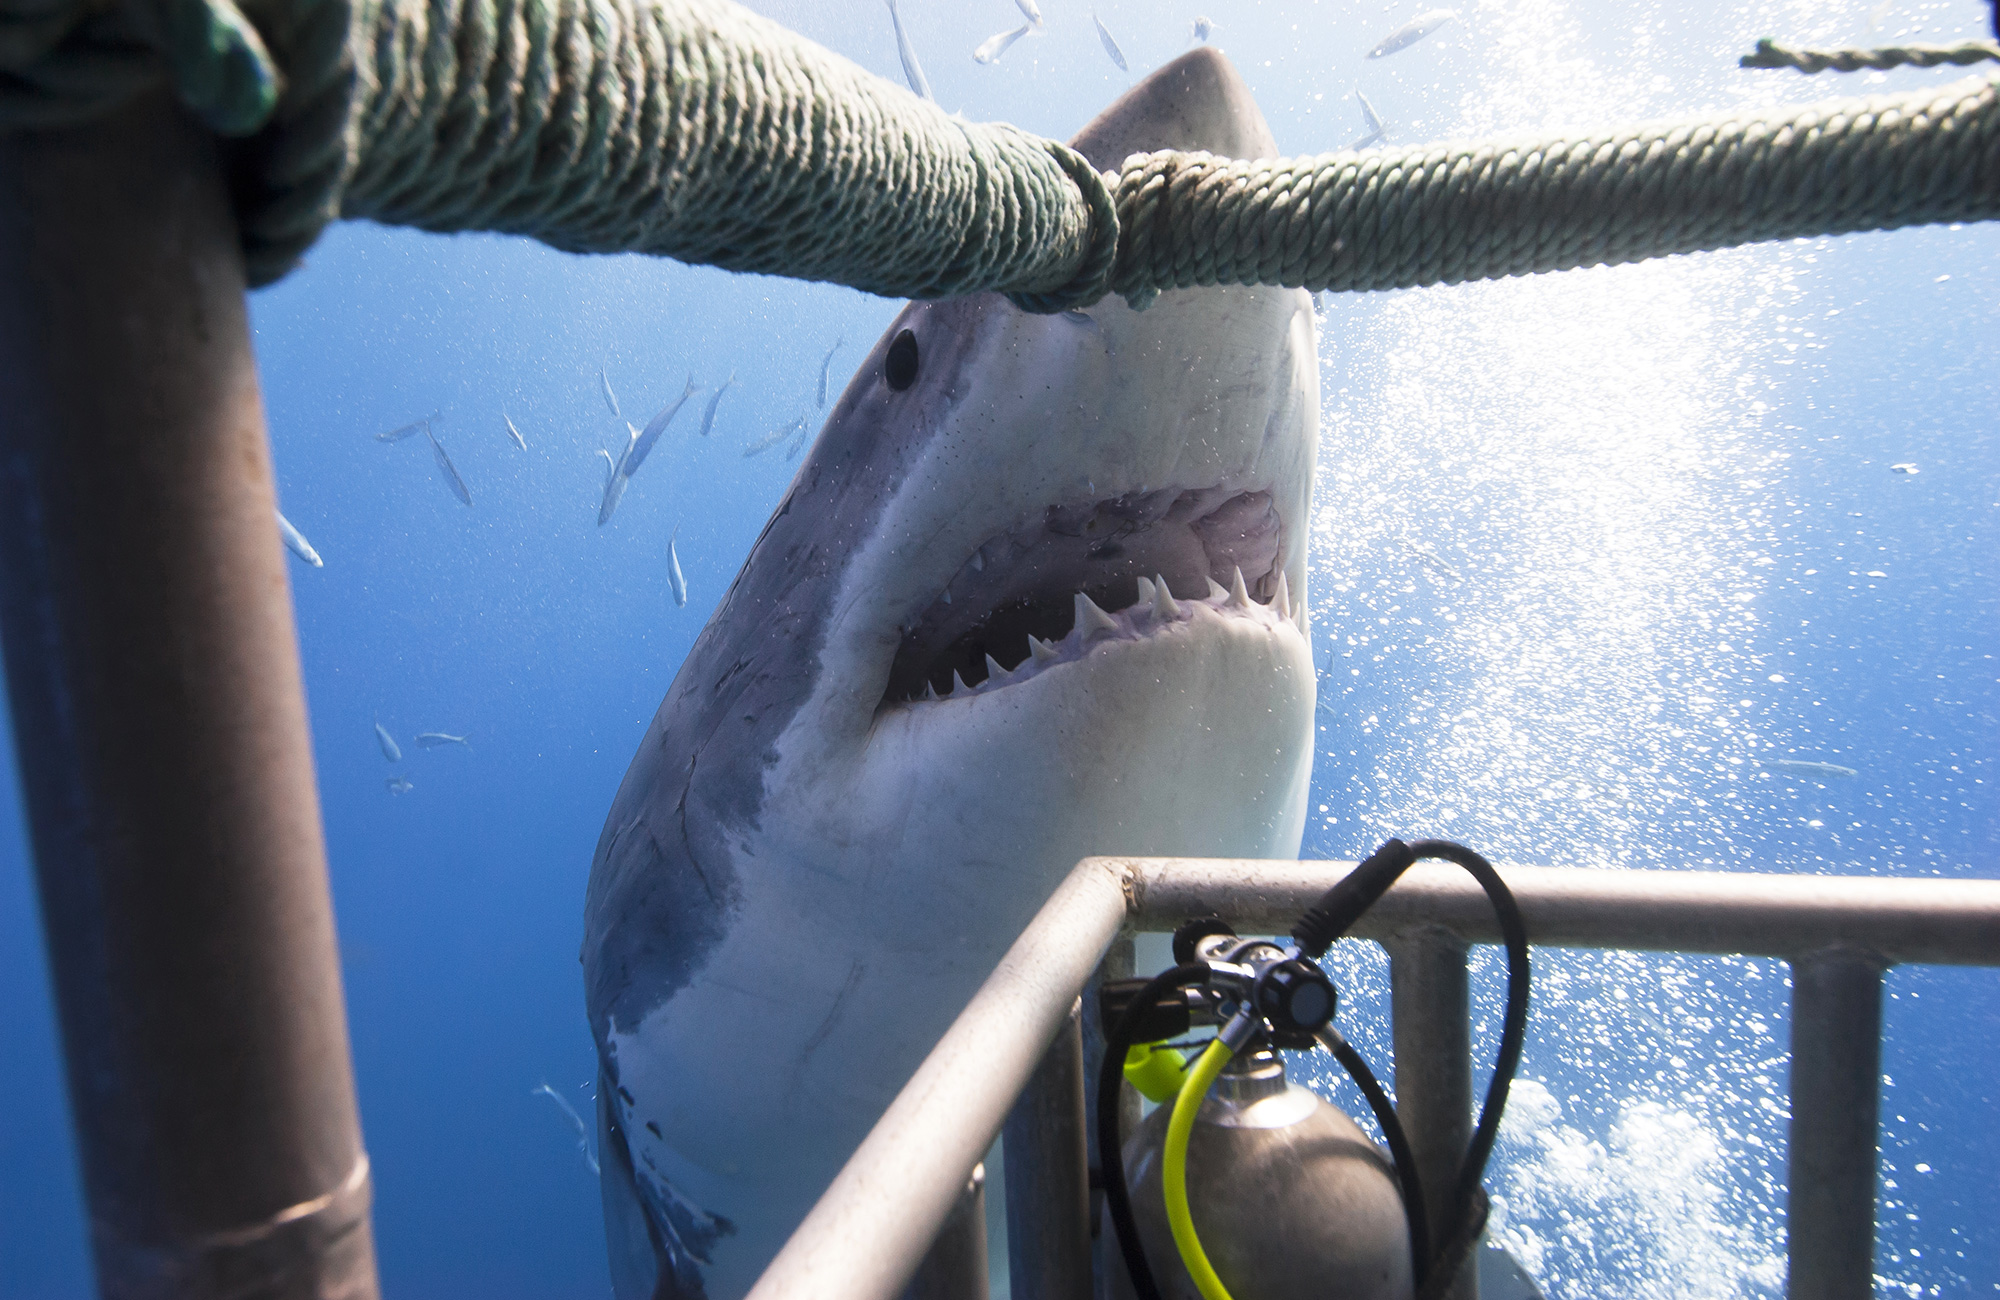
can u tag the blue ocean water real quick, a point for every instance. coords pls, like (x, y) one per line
(1588, 550)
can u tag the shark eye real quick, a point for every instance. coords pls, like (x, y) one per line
(900, 366)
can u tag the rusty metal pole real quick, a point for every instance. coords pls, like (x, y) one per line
(160, 722)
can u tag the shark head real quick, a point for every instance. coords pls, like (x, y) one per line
(1036, 593)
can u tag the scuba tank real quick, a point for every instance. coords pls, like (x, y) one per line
(1243, 1184)
(1293, 1200)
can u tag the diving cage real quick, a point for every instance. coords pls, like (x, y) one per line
(902, 1216)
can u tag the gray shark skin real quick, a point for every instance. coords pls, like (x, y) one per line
(946, 672)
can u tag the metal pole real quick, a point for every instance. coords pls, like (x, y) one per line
(874, 1223)
(1836, 1073)
(1107, 1269)
(1048, 1177)
(1901, 920)
(1429, 1006)
(954, 1268)
(161, 728)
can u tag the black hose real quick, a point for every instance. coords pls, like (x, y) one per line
(1456, 1249)
(1110, 1156)
(1512, 1030)
(1399, 1147)
(1317, 929)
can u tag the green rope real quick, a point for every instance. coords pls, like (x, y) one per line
(696, 130)
(1770, 54)
(1444, 214)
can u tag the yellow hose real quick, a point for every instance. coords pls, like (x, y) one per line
(1173, 1170)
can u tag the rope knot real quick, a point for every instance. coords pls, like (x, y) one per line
(1093, 277)
(1154, 190)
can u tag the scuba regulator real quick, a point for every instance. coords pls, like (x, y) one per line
(1295, 1199)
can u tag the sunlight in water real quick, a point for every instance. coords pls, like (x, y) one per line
(1540, 536)
(1545, 523)
(1643, 1205)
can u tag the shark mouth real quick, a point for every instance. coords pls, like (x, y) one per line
(1120, 567)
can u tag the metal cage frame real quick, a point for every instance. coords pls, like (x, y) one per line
(1015, 1056)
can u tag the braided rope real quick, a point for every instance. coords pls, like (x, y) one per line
(1444, 214)
(1770, 54)
(696, 130)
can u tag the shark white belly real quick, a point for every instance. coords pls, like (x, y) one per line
(812, 862)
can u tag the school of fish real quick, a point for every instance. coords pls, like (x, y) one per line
(619, 470)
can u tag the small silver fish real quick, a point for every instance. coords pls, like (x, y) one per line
(513, 432)
(401, 432)
(610, 398)
(1200, 30)
(582, 1133)
(642, 446)
(1428, 558)
(1905, 467)
(1030, 12)
(1412, 31)
(1371, 120)
(610, 467)
(675, 578)
(708, 416)
(390, 749)
(296, 540)
(993, 47)
(826, 363)
(1369, 117)
(615, 482)
(445, 467)
(798, 444)
(399, 785)
(1808, 767)
(913, 71)
(1110, 46)
(774, 437)
(438, 739)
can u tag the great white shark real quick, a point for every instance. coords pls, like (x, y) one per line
(1037, 592)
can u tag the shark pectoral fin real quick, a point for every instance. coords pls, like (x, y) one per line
(639, 1264)
(658, 1239)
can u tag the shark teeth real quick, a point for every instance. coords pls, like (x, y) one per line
(1239, 595)
(1155, 612)
(1093, 621)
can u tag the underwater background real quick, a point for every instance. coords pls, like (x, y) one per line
(1590, 551)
